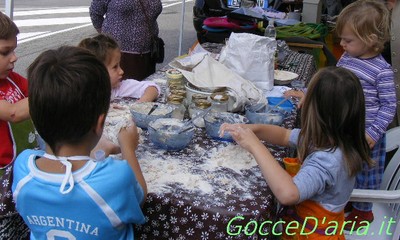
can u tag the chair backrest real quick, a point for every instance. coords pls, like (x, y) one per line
(391, 176)
(387, 206)
(313, 45)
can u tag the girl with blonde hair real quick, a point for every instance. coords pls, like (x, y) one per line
(363, 27)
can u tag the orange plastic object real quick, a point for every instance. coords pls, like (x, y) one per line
(292, 165)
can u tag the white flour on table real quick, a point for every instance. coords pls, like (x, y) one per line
(162, 172)
(232, 156)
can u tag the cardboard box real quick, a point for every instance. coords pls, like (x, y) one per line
(312, 11)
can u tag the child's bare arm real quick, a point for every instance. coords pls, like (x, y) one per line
(149, 95)
(14, 112)
(270, 133)
(128, 140)
(294, 93)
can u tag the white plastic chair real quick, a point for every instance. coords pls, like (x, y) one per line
(387, 199)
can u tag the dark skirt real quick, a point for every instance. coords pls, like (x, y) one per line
(137, 66)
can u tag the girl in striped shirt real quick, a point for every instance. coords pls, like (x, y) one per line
(363, 27)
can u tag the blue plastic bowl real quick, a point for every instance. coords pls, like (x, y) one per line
(287, 105)
(214, 120)
(140, 112)
(165, 133)
(262, 116)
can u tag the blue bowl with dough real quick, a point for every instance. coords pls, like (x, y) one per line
(140, 112)
(264, 115)
(214, 120)
(170, 133)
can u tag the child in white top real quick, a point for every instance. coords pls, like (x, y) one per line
(106, 49)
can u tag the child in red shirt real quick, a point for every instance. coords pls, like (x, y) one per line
(15, 133)
(13, 91)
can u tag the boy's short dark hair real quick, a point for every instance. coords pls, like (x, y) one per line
(8, 29)
(69, 88)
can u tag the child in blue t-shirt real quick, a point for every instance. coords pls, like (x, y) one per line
(331, 147)
(63, 192)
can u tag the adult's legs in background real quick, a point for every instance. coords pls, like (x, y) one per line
(333, 7)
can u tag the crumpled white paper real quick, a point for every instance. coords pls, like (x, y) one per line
(210, 73)
(252, 57)
(189, 62)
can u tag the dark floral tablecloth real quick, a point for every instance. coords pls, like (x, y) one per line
(12, 226)
(182, 210)
(201, 206)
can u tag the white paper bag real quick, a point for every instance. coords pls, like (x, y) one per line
(252, 57)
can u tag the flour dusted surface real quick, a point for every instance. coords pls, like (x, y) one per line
(231, 156)
(212, 170)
